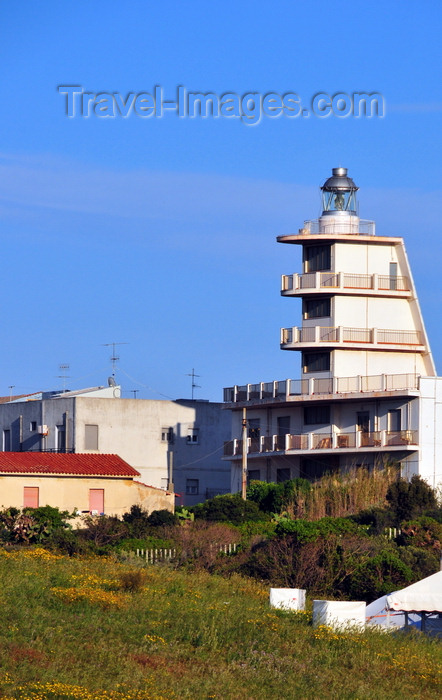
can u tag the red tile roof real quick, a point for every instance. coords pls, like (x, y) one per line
(65, 464)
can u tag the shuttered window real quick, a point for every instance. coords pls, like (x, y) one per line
(30, 497)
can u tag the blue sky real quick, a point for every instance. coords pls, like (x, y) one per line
(160, 232)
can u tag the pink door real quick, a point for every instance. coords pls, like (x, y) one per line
(30, 497)
(96, 500)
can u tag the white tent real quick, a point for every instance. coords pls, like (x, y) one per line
(423, 596)
(378, 615)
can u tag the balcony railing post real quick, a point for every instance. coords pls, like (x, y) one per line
(374, 336)
(287, 388)
(309, 441)
(335, 385)
(375, 282)
(340, 334)
(296, 281)
(287, 441)
(317, 280)
(311, 386)
(358, 440)
(334, 439)
(317, 333)
(384, 382)
(383, 438)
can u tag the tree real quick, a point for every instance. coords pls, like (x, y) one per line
(408, 499)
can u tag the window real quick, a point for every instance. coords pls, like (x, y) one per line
(33, 426)
(316, 258)
(192, 487)
(394, 420)
(316, 415)
(96, 501)
(283, 423)
(254, 428)
(61, 438)
(167, 435)
(363, 421)
(30, 497)
(192, 436)
(393, 275)
(315, 362)
(282, 475)
(253, 475)
(91, 437)
(316, 308)
(6, 441)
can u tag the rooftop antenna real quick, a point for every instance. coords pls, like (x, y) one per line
(63, 369)
(193, 375)
(113, 358)
(135, 392)
(11, 387)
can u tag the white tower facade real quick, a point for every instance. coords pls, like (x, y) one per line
(368, 391)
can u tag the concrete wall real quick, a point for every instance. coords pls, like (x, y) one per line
(71, 493)
(134, 429)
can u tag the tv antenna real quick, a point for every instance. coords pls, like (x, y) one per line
(63, 369)
(113, 358)
(11, 387)
(193, 375)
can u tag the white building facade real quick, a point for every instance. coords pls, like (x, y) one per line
(175, 445)
(368, 392)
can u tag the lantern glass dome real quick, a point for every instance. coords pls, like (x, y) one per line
(339, 193)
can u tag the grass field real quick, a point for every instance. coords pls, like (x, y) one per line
(73, 628)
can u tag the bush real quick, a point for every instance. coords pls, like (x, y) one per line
(273, 498)
(307, 531)
(375, 519)
(132, 581)
(382, 574)
(230, 508)
(138, 521)
(422, 562)
(104, 530)
(422, 532)
(199, 543)
(161, 517)
(408, 499)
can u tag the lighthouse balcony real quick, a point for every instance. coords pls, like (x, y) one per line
(345, 283)
(296, 338)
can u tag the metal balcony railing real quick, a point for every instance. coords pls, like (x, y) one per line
(330, 441)
(288, 389)
(342, 335)
(344, 280)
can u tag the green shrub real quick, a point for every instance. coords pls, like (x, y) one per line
(307, 531)
(408, 499)
(422, 562)
(161, 517)
(382, 574)
(273, 498)
(131, 544)
(375, 519)
(229, 508)
(422, 532)
(138, 521)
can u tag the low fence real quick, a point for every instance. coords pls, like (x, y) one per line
(158, 556)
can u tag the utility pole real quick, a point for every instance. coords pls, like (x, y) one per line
(244, 454)
(170, 485)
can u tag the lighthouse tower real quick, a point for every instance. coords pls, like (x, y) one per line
(360, 313)
(368, 391)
